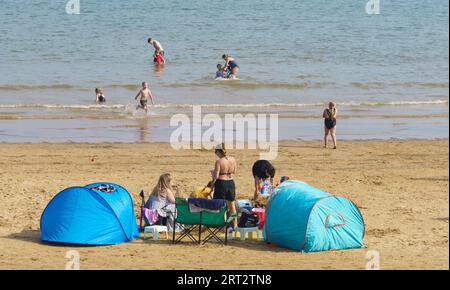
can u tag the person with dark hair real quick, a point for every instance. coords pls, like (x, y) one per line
(157, 45)
(263, 173)
(220, 74)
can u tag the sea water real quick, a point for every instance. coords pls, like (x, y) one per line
(388, 72)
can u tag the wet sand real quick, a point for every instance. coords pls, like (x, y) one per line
(401, 188)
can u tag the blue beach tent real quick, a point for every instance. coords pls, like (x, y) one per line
(96, 214)
(303, 218)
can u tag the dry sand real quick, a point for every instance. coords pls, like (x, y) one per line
(400, 187)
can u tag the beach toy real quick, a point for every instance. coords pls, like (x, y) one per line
(96, 214)
(304, 218)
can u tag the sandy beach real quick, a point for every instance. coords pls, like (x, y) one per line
(401, 188)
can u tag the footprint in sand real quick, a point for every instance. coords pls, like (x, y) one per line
(378, 233)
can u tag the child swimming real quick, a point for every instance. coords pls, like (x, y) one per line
(145, 94)
(99, 97)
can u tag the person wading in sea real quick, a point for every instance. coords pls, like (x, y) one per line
(157, 46)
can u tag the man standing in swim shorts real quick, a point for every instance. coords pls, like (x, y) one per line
(157, 45)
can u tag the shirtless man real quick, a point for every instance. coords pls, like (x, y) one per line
(157, 45)
(145, 94)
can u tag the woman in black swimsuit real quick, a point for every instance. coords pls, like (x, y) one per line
(330, 114)
(224, 187)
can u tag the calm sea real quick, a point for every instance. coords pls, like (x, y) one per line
(389, 73)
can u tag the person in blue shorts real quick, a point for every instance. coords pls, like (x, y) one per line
(231, 65)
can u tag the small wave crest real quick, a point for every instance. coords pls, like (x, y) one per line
(130, 108)
(36, 87)
(242, 83)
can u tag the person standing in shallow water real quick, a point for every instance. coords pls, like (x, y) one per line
(330, 115)
(231, 66)
(145, 94)
(99, 97)
(157, 46)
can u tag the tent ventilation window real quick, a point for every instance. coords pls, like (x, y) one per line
(105, 188)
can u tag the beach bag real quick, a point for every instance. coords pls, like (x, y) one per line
(243, 205)
(248, 220)
(261, 214)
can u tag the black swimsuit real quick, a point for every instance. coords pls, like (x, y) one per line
(231, 65)
(330, 123)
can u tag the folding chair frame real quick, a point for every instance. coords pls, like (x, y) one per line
(212, 231)
(185, 232)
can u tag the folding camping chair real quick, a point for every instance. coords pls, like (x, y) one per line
(189, 222)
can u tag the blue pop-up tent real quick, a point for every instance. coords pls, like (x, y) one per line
(96, 214)
(304, 218)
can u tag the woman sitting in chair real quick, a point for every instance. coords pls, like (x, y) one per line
(162, 199)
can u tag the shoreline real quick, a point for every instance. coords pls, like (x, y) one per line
(280, 142)
(159, 130)
(97, 124)
(400, 187)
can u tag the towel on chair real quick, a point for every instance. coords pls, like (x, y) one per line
(204, 204)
